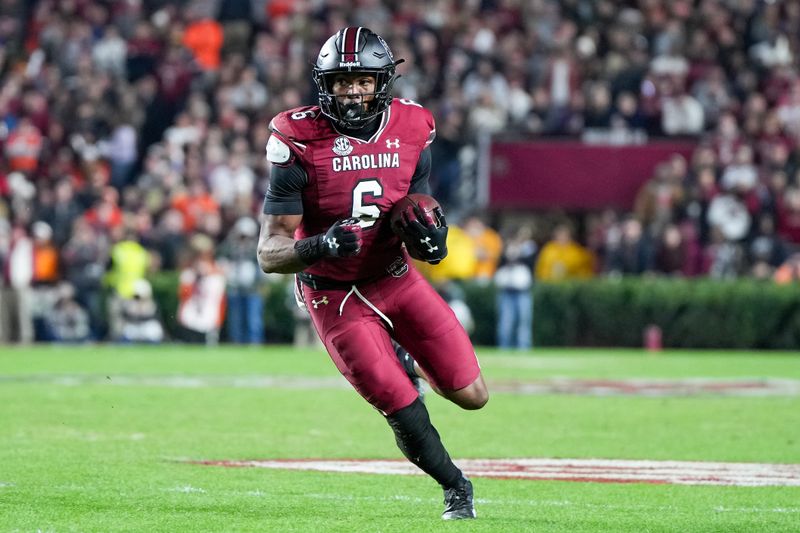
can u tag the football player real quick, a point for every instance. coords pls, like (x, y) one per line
(337, 169)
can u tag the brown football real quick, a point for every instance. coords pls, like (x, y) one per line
(425, 202)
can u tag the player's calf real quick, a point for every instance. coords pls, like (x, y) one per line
(473, 396)
(420, 443)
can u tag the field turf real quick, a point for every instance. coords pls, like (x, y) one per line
(98, 438)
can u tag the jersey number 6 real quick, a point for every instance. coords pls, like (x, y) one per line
(366, 212)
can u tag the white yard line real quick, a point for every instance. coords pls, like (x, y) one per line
(584, 387)
(504, 502)
(596, 470)
(516, 502)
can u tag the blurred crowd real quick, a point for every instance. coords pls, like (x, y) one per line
(133, 131)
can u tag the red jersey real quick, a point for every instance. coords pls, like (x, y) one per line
(351, 177)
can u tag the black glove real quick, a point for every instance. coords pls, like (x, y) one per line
(425, 235)
(343, 239)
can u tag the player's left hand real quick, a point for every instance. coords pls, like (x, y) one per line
(426, 233)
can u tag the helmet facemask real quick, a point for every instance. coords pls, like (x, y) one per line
(354, 115)
(355, 50)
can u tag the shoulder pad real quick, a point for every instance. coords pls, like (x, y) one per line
(414, 113)
(299, 125)
(278, 152)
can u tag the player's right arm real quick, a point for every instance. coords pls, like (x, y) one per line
(278, 250)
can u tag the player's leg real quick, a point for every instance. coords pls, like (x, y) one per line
(413, 371)
(360, 346)
(420, 443)
(473, 396)
(431, 332)
(425, 324)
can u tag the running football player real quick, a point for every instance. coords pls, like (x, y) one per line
(337, 169)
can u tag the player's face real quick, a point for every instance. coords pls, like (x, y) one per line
(353, 88)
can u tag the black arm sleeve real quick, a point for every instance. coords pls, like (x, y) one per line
(284, 195)
(419, 181)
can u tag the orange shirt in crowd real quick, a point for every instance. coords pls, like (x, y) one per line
(104, 216)
(194, 207)
(45, 263)
(204, 39)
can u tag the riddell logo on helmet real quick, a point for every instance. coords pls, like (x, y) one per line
(349, 64)
(385, 46)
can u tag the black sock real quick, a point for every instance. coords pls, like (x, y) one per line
(405, 359)
(420, 443)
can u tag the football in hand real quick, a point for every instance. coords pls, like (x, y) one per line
(425, 202)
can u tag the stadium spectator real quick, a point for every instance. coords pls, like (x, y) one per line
(598, 112)
(110, 51)
(198, 207)
(201, 295)
(18, 272)
(46, 274)
(788, 211)
(670, 255)
(120, 149)
(67, 321)
(235, 16)
(143, 51)
(168, 240)
(249, 94)
(23, 147)
(682, 114)
(659, 199)
(129, 262)
(204, 37)
(766, 251)
(723, 257)
(789, 270)
(62, 214)
(46, 269)
(514, 282)
(233, 180)
(89, 90)
(562, 258)
(137, 317)
(628, 249)
(446, 166)
(488, 247)
(244, 279)
(84, 258)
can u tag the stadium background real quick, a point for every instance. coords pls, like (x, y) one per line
(132, 141)
(643, 155)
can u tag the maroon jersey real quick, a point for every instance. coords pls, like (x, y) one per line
(350, 177)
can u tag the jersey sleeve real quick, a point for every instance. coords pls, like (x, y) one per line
(285, 192)
(420, 179)
(431, 124)
(290, 131)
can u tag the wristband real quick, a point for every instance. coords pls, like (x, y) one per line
(310, 250)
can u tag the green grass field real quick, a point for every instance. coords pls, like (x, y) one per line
(98, 438)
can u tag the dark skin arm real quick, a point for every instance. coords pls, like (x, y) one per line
(276, 251)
